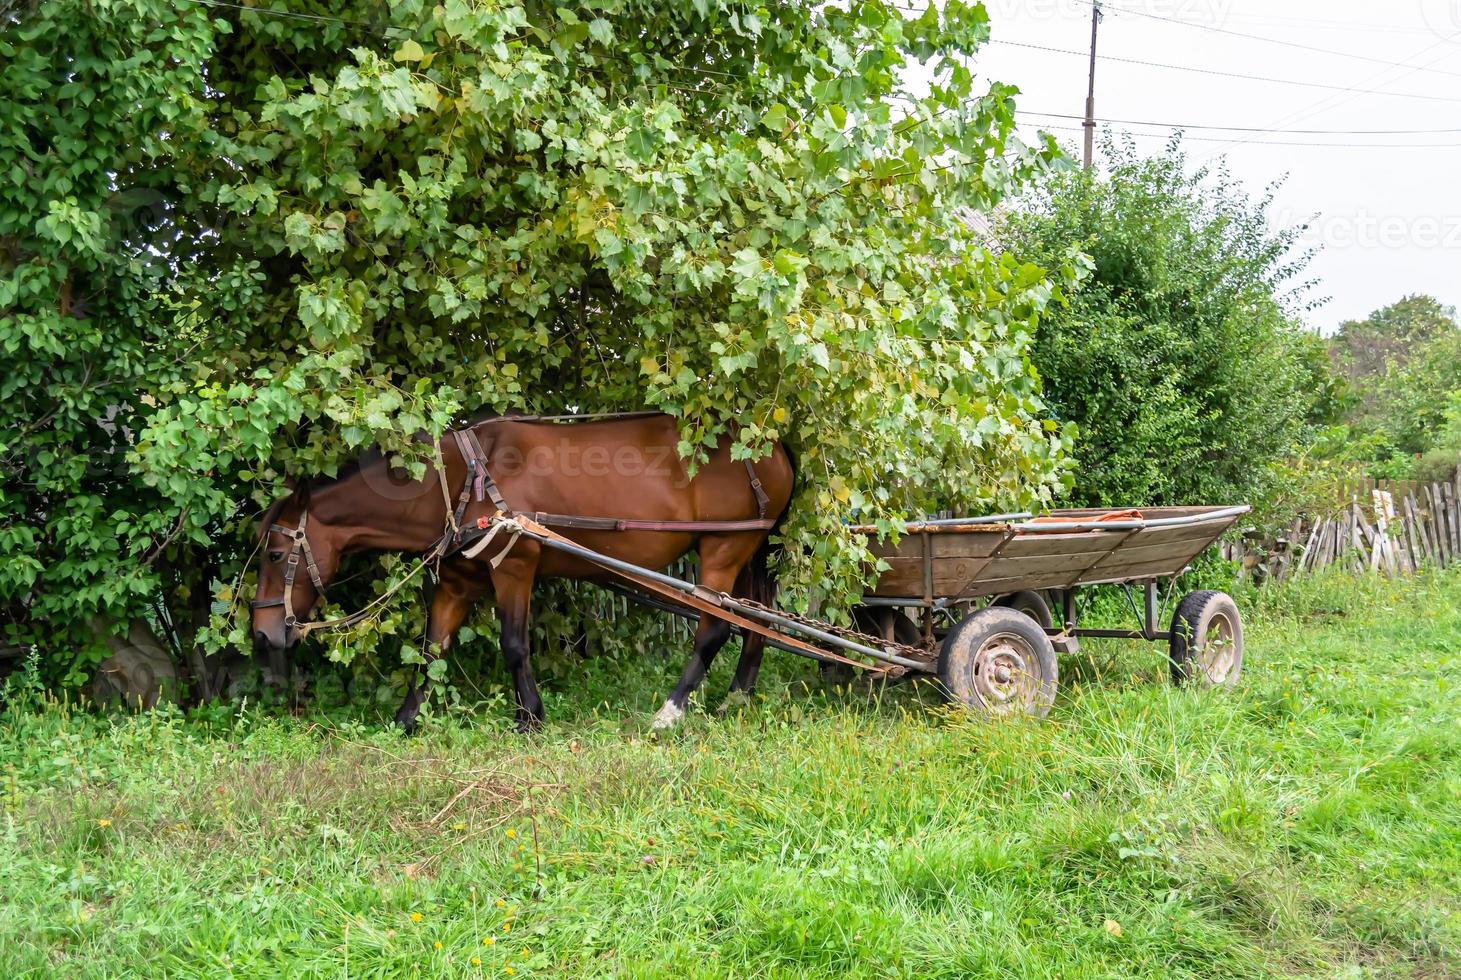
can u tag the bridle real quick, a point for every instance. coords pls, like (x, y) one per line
(297, 550)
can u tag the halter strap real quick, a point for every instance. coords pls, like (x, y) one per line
(298, 549)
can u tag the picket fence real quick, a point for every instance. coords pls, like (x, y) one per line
(1390, 528)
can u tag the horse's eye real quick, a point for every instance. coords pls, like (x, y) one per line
(276, 556)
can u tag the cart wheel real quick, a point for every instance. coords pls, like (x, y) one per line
(1033, 604)
(1207, 640)
(999, 661)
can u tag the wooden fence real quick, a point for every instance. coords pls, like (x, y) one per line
(1390, 528)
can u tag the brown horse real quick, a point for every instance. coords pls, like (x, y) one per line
(625, 468)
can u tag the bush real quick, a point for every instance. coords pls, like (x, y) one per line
(1182, 361)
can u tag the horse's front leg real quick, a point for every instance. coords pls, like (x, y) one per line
(513, 581)
(451, 601)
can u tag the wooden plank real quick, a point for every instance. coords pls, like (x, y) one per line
(1438, 530)
(1422, 529)
(1147, 561)
(1367, 531)
(1039, 545)
(1455, 501)
(965, 545)
(1405, 534)
(1432, 526)
(1453, 512)
(1306, 557)
(1009, 567)
(1004, 586)
(1131, 571)
(904, 577)
(1438, 534)
(1417, 543)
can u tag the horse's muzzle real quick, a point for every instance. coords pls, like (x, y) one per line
(273, 636)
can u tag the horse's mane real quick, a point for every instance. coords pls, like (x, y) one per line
(370, 457)
(352, 468)
(272, 514)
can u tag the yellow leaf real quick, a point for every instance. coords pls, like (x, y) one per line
(1113, 927)
(779, 415)
(410, 51)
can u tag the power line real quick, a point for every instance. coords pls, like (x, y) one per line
(1331, 102)
(1257, 129)
(1333, 146)
(1272, 40)
(1311, 23)
(1227, 74)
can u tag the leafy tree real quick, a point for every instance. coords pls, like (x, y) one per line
(1403, 365)
(1394, 335)
(91, 253)
(725, 210)
(1182, 361)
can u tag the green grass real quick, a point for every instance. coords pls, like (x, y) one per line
(1306, 824)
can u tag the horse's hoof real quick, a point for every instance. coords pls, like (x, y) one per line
(668, 717)
(733, 700)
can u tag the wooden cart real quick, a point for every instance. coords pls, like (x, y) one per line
(969, 600)
(994, 582)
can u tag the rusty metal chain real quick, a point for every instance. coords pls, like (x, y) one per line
(844, 632)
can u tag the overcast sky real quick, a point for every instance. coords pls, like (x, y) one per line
(1388, 206)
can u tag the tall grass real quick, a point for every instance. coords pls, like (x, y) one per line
(1307, 823)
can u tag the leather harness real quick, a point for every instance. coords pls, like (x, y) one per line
(478, 485)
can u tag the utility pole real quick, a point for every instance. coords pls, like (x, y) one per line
(1090, 124)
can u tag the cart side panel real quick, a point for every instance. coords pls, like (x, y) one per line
(955, 560)
(1153, 553)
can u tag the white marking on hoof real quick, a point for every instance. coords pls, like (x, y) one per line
(668, 717)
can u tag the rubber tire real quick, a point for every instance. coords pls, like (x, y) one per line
(1033, 604)
(958, 658)
(1191, 625)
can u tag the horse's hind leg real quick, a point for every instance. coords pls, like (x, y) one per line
(743, 685)
(721, 562)
(759, 587)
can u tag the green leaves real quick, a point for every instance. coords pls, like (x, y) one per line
(409, 51)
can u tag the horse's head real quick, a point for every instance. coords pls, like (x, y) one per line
(299, 558)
